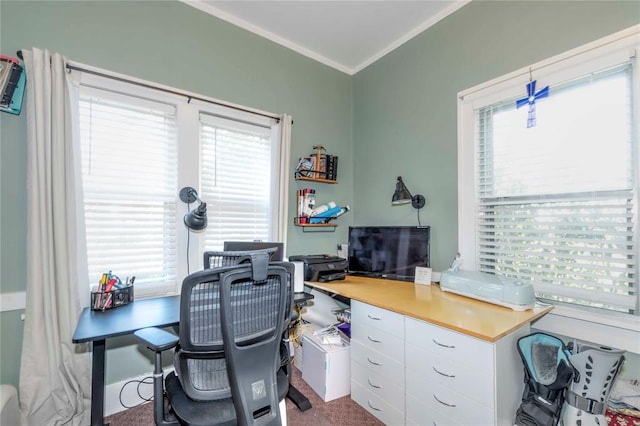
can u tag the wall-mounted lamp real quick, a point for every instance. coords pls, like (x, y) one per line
(195, 219)
(403, 196)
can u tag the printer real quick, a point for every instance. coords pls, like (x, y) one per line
(321, 267)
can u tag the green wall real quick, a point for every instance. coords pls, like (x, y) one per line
(405, 103)
(396, 117)
(174, 44)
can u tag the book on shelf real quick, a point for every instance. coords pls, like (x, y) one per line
(306, 204)
(331, 167)
(305, 167)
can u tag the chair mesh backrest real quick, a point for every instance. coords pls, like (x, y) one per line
(204, 315)
(199, 360)
(255, 308)
(218, 259)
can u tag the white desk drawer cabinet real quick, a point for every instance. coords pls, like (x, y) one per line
(364, 317)
(377, 361)
(379, 341)
(377, 406)
(472, 377)
(433, 397)
(427, 417)
(388, 368)
(448, 344)
(460, 378)
(391, 391)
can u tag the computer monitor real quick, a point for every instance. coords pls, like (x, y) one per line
(391, 252)
(256, 245)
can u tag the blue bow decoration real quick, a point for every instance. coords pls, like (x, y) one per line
(530, 100)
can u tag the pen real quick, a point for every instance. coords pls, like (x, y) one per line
(103, 282)
(112, 281)
(107, 302)
(98, 301)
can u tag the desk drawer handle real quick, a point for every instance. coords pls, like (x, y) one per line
(372, 407)
(374, 340)
(374, 318)
(443, 403)
(443, 345)
(372, 362)
(443, 374)
(372, 385)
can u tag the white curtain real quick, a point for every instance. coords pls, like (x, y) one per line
(281, 220)
(54, 373)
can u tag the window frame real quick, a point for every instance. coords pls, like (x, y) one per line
(188, 107)
(611, 50)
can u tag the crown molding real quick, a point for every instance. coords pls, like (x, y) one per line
(212, 10)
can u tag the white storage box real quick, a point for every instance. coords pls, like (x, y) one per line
(326, 368)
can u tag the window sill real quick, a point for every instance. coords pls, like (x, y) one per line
(154, 293)
(616, 331)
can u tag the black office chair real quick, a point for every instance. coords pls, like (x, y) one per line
(216, 259)
(227, 358)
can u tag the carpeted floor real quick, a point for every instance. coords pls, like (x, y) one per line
(339, 412)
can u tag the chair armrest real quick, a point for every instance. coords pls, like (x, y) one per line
(157, 339)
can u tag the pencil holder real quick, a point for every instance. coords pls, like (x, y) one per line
(102, 301)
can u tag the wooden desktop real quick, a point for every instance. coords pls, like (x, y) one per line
(428, 303)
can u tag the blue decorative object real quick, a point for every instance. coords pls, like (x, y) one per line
(530, 100)
(12, 82)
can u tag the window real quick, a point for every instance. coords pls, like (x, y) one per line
(236, 181)
(556, 204)
(139, 147)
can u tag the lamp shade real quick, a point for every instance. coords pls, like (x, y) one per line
(196, 219)
(401, 194)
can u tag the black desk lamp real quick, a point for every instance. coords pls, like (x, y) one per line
(403, 196)
(195, 219)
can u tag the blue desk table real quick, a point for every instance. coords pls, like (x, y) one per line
(98, 326)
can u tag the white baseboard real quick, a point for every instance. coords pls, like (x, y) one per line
(130, 395)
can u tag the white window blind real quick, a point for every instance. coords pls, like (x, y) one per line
(236, 180)
(557, 203)
(129, 166)
(142, 143)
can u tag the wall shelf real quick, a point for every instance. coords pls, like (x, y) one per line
(316, 227)
(314, 168)
(319, 180)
